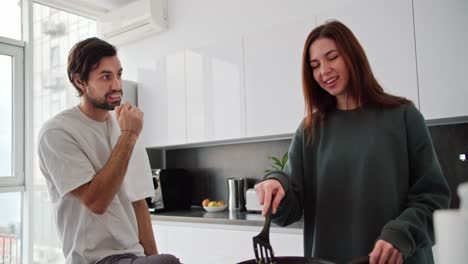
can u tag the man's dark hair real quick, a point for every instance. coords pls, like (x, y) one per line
(85, 56)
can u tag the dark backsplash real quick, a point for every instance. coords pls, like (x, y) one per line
(211, 166)
(449, 142)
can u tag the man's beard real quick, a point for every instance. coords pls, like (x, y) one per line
(104, 104)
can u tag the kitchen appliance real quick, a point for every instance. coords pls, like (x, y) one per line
(251, 201)
(130, 92)
(451, 231)
(172, 189)
(157, 199)
(133, 21)
(236, 191)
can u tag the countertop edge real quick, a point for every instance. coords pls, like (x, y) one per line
(220, 223)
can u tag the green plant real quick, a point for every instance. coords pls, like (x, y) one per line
(278, 164)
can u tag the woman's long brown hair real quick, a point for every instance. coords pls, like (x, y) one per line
(362, 87)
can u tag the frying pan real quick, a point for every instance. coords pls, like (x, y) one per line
(292, 260)
(296, 260)
(304, 260)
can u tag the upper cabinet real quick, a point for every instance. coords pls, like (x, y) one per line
(385, 30)
(215, 92)
(196, 95)
(273, 86)
(251, 86)
(441, 46)
(161, 96)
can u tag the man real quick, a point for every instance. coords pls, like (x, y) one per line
(86, 155)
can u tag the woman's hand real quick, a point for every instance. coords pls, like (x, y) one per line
(385, 253)
(266, 190)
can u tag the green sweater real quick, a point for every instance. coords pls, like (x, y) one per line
(369, 174)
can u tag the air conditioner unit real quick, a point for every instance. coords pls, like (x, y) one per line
(133, 21)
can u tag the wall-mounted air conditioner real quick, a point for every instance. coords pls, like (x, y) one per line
(133, 21)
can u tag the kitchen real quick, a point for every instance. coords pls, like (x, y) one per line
(207, 84)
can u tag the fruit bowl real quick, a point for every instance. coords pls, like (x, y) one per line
(215, 208)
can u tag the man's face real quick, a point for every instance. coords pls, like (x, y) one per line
(103, 89)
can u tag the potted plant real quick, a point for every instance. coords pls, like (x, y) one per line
(277, 164)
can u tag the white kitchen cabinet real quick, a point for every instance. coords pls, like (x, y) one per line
(161, 96)
(273, 86)
(441, 45)
(213, 243)
(215, 92)
(385, 31)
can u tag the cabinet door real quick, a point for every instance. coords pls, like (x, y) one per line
(214, 244)
(442, 50)
(215, 92)
(161, 237)
(385, 30)
(273, 86)
(161, 96)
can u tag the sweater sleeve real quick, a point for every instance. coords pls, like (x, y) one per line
(428, 190)
(290, 209)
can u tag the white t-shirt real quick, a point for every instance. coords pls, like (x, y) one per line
(72, 149)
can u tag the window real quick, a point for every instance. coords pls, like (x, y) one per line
(10, 19)
(11, 114)
(11, 131)
(54, 57)
(55, 32)
(10, 227)
(6, 113)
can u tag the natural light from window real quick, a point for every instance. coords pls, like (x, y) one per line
(5, 115)
(10, 227)
(10, 19)
(11, 75)
(55, 32)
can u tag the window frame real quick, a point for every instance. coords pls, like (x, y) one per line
(16, 50)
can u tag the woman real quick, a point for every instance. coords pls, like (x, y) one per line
(362, 170)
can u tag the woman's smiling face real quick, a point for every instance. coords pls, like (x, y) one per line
(329, 67)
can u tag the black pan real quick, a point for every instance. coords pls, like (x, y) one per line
(292, 260)
(297, 260)
(304, 260)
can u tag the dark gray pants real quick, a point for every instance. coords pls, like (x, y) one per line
(133, 259)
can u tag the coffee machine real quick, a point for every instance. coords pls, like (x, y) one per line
(157, 198)
(155, 202)
(172, 190)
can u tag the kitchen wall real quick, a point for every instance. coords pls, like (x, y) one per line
(197, 24)
(212, 165)
(194, 24)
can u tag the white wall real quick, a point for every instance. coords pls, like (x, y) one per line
(194, 24)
